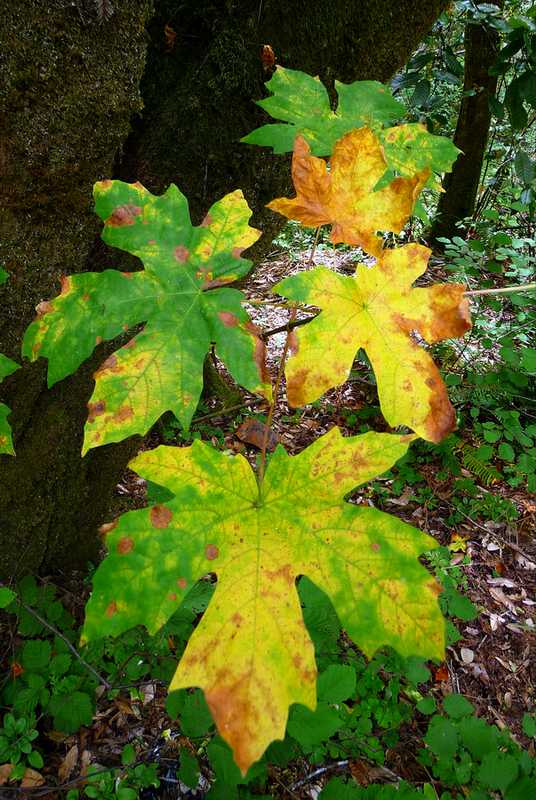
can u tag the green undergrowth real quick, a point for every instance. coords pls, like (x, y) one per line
(365, 708)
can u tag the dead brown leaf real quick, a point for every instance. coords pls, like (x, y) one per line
(68, 764)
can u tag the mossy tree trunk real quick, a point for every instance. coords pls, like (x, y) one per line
(69, 98)
(472, 131)
(70, 84)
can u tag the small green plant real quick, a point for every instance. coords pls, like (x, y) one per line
(17, 735)
(465, 753)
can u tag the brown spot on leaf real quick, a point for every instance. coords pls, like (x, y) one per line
(182, 583)
(260, 351)
(130, 344)
(375, 546)
(95, 410)
(181, 253)
(407, 385)
(111, 609)
(237, 618)
(45, 307)
(66, 284)
(107, 527)
(293, 342)
(128, 276)
(123, 413)
(86, 296)
(151, 241)
(123, 215)
(228, 319)
(441, 420)
(125, 545)
(98, 339)
(160, 516)
(284, 574)
(237, 251)
(172, 596)
(211, 552)
(206, 221)
(110, 365)
(295, 387)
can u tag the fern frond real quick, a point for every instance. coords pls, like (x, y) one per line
(486, 473)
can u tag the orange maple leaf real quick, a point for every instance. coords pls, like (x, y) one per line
(344, 197)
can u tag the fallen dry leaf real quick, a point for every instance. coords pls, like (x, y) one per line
(32, 778)
(5, 772)
(254, 432)
(467, 655)
(68, 764)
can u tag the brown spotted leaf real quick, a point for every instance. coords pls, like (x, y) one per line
(251, 653)
(377, 309)
(344, 196)
(180, 296)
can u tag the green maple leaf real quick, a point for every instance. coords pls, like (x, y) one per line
(303, 103)
(251, 653)
(180, 296)
(7, 366)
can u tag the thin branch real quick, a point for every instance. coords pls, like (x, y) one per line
(273, 404)
(288, 327)
(64, 639)
(227, 409)
(525, 287)
(320, 771)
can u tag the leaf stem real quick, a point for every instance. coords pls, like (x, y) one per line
(262, 463)
(526, 287)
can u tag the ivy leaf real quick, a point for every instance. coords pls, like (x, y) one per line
(378, 310)
(251, 653)
(303, 103)
(7, 366)
(179, 297)
(344, 196)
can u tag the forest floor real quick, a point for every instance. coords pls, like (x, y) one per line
(493, 663)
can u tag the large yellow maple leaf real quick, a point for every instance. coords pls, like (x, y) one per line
(344, 197)
(377, 309)
(251, 652)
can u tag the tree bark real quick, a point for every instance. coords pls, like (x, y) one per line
(70, 85)
(69, 98)
(472, 131)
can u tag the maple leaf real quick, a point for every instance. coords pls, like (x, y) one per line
(181, 298)
(7, 366)
(411, 148)
(344, 196)
(377, 309)
(251, 653)
(303, 102)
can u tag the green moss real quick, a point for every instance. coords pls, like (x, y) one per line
(69, 88)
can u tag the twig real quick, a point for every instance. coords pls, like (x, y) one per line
(505, 542)
(262, 464)
(313, 248)
(64, 639)
(526, 287)
(320, 771)
(227, 409)
(288, 327)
